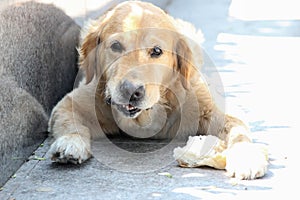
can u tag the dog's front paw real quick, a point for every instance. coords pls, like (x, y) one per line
(70, 148)
(245, 160)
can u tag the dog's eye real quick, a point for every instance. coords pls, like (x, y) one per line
(116, 46)
(156, 52)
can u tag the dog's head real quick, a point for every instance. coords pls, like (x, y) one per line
(137, 52)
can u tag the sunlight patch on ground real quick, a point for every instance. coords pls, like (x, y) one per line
(190, 175)
(264, 9)
(262, 74)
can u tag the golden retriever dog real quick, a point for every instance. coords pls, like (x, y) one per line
(142, 77)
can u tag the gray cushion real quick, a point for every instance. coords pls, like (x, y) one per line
(38, 65)
(38, 47)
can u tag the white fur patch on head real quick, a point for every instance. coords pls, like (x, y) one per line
(131, 22)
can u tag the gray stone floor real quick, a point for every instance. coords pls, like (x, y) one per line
(257, 62)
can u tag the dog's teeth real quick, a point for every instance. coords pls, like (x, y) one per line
(128, 107)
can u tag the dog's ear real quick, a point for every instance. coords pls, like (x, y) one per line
(87, 55)
(183, 61)
(91, 39)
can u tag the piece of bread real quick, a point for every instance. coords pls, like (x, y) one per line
(201, 151)
(211, 151)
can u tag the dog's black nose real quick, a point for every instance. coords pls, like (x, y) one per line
(132, 92)
(138, 94)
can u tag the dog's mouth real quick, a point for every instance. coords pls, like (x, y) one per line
(128, 110)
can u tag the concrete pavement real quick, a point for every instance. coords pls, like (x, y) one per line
(256, 61)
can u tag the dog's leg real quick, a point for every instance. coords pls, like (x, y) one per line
(244, 159)
(72, 138)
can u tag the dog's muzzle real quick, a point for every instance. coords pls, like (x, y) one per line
(129, 99)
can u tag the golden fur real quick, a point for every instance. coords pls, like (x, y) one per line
(176, 100)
